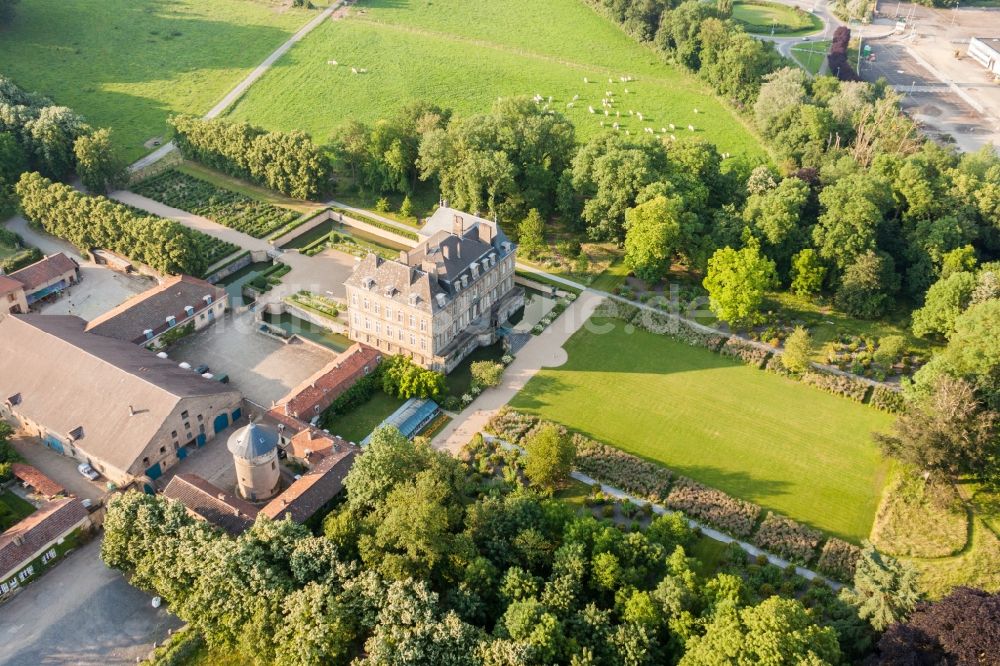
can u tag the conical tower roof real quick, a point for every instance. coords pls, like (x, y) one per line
(252, 441)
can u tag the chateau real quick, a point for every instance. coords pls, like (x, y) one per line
(441, 299)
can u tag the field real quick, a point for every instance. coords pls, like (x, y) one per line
(228, 208)
(128, 64)
(770, 440)
(811, 55)
(464, 54)
(772, 18)
(359, 422)
(13, 509)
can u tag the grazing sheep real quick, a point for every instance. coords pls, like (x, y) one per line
(673, 138)
(354, 70)
(663, 130)
(332, 62)
(672, 128)
(639, 115)
(576, 97)
(690, 128)
(606, 112)
(585, 80)
(591, 109)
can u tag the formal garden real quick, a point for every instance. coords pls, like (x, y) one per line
(228, 208)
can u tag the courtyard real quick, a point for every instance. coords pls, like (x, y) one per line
(262, 367)
(755, 435)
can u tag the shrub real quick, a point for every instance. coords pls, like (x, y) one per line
(839, 559)
(887, 399)
(487, 373)
(787, 538)
(747, 352)
(848, 387)
(510, 425)
(713, 507)
(617, 468)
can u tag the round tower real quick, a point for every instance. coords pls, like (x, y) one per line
(255, 454)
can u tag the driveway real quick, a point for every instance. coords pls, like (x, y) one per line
(59, 468)
(263, 368)
(81, 613)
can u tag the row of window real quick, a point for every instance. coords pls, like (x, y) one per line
(401, 318)
(376, 326)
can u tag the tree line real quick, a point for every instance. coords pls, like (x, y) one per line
(95, 221)
(288, 162)
(437, 561)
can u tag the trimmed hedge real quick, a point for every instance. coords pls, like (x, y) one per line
(714, 507)
(747, 352)
(619, 469)
(839, 559)
(848, 387)
(788, 538)
(886, 399)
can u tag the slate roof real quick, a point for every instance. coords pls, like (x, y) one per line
(66, 378)
(252, 441)
(150, 309)
(211, 503)
(314, 489)
(31, 534)
(44, 271)
(318, 392)
(42, 484)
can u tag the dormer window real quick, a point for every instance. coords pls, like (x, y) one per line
(368, 282)
(171, 321)
(148, 334)
(465, 281)
(207, 298)
(413, 299)
(189, 309)
(390, 291)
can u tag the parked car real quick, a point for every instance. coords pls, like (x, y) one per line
(222, 379)
(88, 471)
(201, 369)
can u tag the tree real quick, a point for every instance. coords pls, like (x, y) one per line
(406, 208)
(962, 628)
(797, 356)
(530, 236)
(868, 285)
(403, 378)
(808, 272)
(652, 230)
(946, 431)
(98, 162)
(782, 91)
(317, 629)
(486, 373)
(775, 217)
(736, 282)
(7, 10)
(945, 301)
(889, 349)
(52, 135)
(885, 589)
(550, 456)
(776, 631)
(853, 211)
(389, 460)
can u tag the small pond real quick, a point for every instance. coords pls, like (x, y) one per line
(234, 283)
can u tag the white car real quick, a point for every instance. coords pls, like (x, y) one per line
(88, 471)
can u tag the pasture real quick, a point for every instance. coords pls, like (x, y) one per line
(758, 436)
(463, 54)
(762, 17)
(128, 64)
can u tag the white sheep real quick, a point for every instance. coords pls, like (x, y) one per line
(591, 109)
(570, 105)
(585, 80)
(576, 97)
(626, 91)
(606, 112)
(672, 128)
(639, 115)
(332, 62)
(608, 93)
(354, 70)
(663, 130)
(673, 138)
(690, 128)
(696, 111)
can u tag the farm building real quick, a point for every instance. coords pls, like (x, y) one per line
(12, 300)
(986, 51)
(179, 302)
(209, 503)
(31, 544)
(441, 299)
(310, 398)
(105, 401)
(46, 277)
(314, 489)
(255, 455)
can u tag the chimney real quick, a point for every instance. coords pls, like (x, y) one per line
(446, 251)
(458, 225)
(486, 233)
(404, 257)
(221, 496)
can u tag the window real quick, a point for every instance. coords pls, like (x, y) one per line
(399, 316)
(423, 325)
(388, 312)
(187, 426)
(400, 335)
(413, 321)
(201, 428)
(272, 464)
(388, 331)
(184, 414)
(366, 304)
(200, 418)
(423, 343)
(163, 449)
(368, 324)
(145, 462)
(354, 299)
(357, 319)
(413, 339)
(174, 434)
(378, 327)
(378, 309)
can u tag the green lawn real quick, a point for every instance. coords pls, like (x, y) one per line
(464, 54)
(811, 55)
(356, 425)
(13, 509)
(762, 17)
(459, 380)
(787, 446)
(128, 64)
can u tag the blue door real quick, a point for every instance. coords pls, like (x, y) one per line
(200, 439)
(221, 423)
(53, 444)
(236, 415)
(148, 489)
(154, 472)
(182, 453)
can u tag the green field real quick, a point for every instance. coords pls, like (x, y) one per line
(463, 54)
(358, 423)
(811, 55)
(128, 64)
(765, 17)
(786, 446)
(13, 509)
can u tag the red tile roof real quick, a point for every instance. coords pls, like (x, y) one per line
(9, 285)
(41, 483)
(44, 271)
(313, 489)
(211, 503)
(41, 528)
(315, 394)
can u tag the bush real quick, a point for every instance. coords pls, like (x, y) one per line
(787, 538)
(887, 399)
(747, 352)
(617, 468)
(849, 387)
(487, 373)
(713, 507)
(839, 559)
(177, 651)
(510, 425)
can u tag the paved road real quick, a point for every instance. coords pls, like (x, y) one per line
(243, 85)
(80, 613)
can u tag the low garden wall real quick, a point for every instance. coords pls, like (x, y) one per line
(305, 225)
(240, 262)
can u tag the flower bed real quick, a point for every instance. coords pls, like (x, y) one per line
(714, 507)
(617, 468)
(886, 399)
(696, 337)
(775, 365)
(511, 425)
(787, 538)
(848, 387)
(745, 351)
(863, 356)
(839, 559)
(226, 207)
